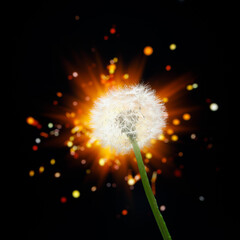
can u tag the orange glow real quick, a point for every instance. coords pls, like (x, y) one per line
(90, 83)
(148, 50)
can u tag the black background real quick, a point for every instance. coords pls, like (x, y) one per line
(44, 35)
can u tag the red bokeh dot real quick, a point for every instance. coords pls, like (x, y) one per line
(34, 147)
(63, 199)
(168, 68)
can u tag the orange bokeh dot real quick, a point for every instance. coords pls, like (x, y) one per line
(124, 212)
(148, 50)
(30, 120)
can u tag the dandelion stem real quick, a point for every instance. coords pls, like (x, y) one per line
(148, 191)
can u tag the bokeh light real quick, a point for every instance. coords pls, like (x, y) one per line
(148, 50)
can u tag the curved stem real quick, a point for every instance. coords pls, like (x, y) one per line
(148, 191)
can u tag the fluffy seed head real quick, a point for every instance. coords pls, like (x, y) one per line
(133, 111)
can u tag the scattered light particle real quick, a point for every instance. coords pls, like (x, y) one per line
(37, 140)
(57, 174)
(113, 30)
(172, 46)
(59, 94)
(52, 161)
(75, 193)
(178, 173)
(195, 85)
(31, 121)
(74, 103)
(31, 173)
(148, 155)
(102, 161)
(41, 169)
(213, 107)
(186, 116)
(180, 154)
(88, 145)
(162, 208)
(124, 212)
(83, 161)
(43, 134)
(63, 199)
(77, 17)
(87, 98)
(164, 160)
(201, 198)
(88, 171)
(126, 76)
(159, 171)
(50, 125)
(93, 188)
(75, 74)
(34, 147)
(189, 87)
(168, 67)
(131, 181)
(69, 143)
(176, 121)
(70, 77)
(108, 184)
(193, 136)
(174, 138)
(165, 99)
(148, 50)
(170, 131)
(161, 137)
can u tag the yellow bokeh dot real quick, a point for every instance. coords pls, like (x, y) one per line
(126, 76)
(148, 155)
(76, 194)
(165, 99)
(148, 50)
(186, 116)
(161, 137)
(101, 161)
(69, 143)
(88, 145)
(189, 87)
(131, 181)
(172, 46)
(52, 161)
(174, 138)
(31, 173)
(41, 169)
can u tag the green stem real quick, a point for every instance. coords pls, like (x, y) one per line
(148, 191)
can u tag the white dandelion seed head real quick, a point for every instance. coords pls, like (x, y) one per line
(132, 111)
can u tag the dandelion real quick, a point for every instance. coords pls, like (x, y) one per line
(132, 111)
(128, 118)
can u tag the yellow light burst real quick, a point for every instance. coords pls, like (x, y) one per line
(94, 83)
